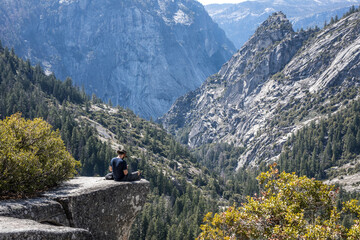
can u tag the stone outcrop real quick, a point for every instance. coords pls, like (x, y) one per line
(140, 54)
(273, 72)
(82, 208)
(14, 228)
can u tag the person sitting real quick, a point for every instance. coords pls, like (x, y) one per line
(119, 169)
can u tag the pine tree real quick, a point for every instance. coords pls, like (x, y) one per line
(350, 141)
(332, 21)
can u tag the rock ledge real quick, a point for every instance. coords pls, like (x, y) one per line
(82, 208)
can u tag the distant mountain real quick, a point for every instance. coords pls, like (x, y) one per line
(277, 83)
(138, 54)
(240, 21)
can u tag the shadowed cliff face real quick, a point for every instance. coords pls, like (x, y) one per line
(82, 208)
(140, 54)
(275, 70)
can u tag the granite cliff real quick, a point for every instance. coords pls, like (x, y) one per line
(82, 208)
(139, 54)
(273, 76)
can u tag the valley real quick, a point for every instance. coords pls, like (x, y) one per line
(287, 96)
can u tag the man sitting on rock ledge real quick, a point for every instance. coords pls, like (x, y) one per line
(119, 170)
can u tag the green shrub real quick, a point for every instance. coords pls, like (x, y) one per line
(32, 157)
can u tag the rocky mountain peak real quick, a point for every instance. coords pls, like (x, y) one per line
(275, 22)
(266, 53)
(267, 80)
(241, 20)
(273, 29)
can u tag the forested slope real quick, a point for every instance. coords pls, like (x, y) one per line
(92, 130)
(322, 146)
(185, 186)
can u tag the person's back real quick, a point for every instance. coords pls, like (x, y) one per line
(118, 166)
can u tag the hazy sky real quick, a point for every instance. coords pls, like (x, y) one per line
(205, 2)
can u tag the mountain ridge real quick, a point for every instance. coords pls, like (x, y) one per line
(240, 103)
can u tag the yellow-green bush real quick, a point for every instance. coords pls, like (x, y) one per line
(32, 157)
(290, 207)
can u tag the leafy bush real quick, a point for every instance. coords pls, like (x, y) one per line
(32, 157)
(290, 207)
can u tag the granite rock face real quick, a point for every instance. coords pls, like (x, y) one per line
(14, 228)
(267, 52)
(41, 210)
(140, 54)
(82, 208)
(276, 69)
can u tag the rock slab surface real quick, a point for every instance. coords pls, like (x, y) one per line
(14, 228)
(82, 208)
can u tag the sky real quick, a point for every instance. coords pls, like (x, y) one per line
(205, 2)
